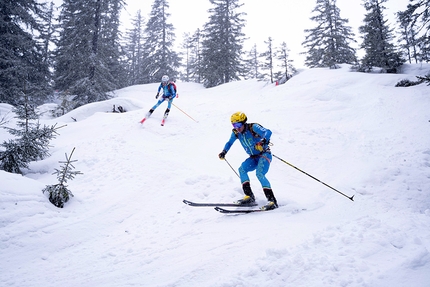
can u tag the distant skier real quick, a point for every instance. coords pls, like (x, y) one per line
(255, 140)
(169, 93)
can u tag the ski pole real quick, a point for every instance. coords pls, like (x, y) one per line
(231, 167)
(184, 112)
(350, 197)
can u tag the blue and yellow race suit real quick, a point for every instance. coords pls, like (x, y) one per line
(169, 94)
(252, 135)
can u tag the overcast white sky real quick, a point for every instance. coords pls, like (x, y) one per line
(283, 20)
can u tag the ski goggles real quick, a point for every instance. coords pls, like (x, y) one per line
(237, 125)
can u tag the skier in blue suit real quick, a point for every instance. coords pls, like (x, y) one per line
(255, 140)
(169, 93)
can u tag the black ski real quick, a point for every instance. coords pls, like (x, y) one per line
(217, 204)
(238, 211)
(223, 210)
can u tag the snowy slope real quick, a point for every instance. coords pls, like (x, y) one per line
(127, 225)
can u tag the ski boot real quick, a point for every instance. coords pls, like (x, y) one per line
(272, 203)
(249, 198)
(269, 206)
(166, 114)
(148, 114)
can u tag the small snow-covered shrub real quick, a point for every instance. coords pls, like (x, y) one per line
(59, 193)
(407, 83)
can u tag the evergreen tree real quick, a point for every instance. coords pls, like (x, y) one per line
(222, 43)
(408, 35)
(23, 69)
(192, 48)
(328, 43)
(47, 37)
(110, 48)
(191, 56)
(252, 65)
(31, 140)
(415, 24)
(134, 50)
(196, 56)
(59, 193)
(87, 55)
(186, 57)
(268, 56)
(159, 41)
(283, 55)
(377, 38)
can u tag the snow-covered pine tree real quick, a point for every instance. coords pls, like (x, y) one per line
(328, 43)
(186, 48)
(47, 39)
(87, 54)
(134, 50)
(22, 68)
(159, 41)
(415, 23)
(267, 62)
(222, 43)
(408, 35)
(48, 31)
(377, 40)
(31, 140)
(191, 57)
(195, 42)
(59, 194)
(110, 49)
(283, 55)
(252, 65)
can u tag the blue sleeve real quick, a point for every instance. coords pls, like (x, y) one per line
(159, 87)
(230, 142)
(262, 132)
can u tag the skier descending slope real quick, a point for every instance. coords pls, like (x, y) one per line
(255, 140)
(169, 93)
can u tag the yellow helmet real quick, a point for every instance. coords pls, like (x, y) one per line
(238, 117)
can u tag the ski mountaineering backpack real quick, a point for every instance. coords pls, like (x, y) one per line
(171, 83)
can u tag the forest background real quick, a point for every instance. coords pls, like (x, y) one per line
(78, 52)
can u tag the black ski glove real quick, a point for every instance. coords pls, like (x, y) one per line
(222, 154)
(157, 95)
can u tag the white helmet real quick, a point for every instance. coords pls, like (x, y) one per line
(165, 79)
